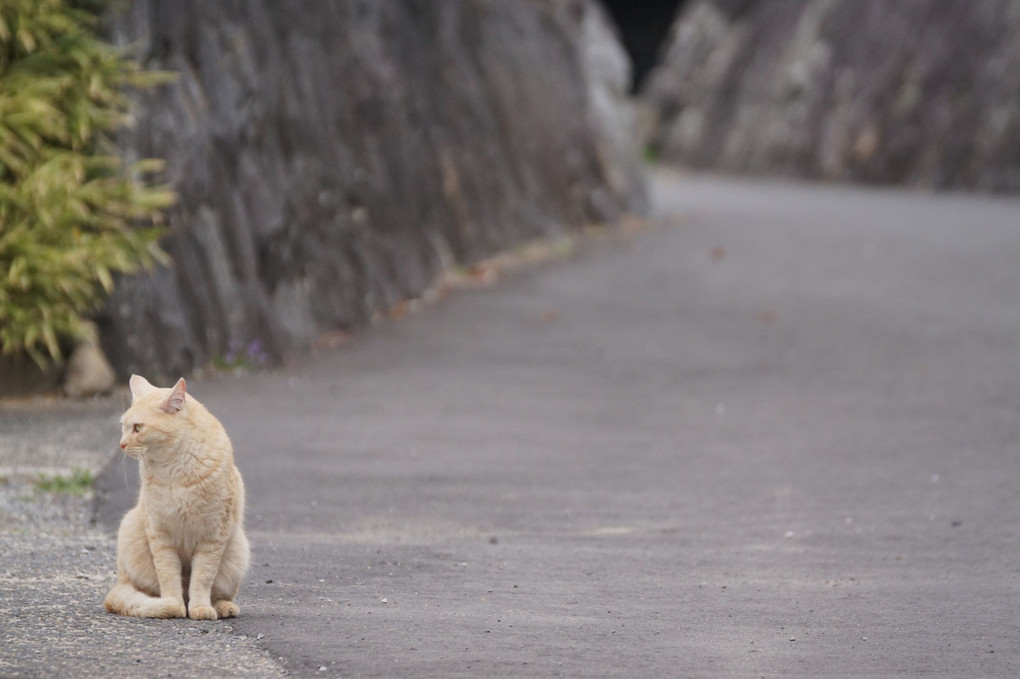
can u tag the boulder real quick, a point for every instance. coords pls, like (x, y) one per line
(921, 93)
(88, 373)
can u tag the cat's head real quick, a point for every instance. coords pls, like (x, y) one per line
(156, 416)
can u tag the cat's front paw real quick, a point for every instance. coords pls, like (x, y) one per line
(202, 613)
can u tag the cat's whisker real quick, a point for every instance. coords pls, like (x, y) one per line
(123, 468)
(141, 453)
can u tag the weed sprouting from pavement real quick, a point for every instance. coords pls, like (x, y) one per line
(78, 483)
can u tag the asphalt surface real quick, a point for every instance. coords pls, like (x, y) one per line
(776, 435)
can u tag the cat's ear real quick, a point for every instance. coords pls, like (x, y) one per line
(175, 401)
(139, 386)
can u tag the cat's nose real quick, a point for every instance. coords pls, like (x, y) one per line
(123, 445)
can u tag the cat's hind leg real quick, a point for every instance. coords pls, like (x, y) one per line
(124, 599)
(226, 608)
(137, 590)
(233, 566)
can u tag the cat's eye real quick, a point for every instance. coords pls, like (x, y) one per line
(137, 428)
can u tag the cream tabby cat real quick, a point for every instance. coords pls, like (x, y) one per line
(181, 550)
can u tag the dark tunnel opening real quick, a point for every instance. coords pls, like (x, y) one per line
(644, 26)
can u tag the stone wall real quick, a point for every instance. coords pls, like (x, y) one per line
(333, 157)
(919, 92)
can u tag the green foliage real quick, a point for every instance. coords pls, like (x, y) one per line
(71, 215)
(78, 483)
(653, 153)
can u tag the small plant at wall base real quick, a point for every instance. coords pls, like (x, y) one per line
(71, 214)
(241, 357)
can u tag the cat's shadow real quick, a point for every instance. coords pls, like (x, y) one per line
(116, 488)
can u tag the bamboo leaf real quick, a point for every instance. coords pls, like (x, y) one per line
(71, 216)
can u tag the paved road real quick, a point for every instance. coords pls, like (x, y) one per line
(777, 436)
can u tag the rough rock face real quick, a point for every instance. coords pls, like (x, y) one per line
(925, 92)
(332, 157)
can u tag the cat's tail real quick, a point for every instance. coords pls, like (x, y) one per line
(124, 599)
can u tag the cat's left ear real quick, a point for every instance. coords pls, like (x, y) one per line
(175, 401)
(139, 386)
